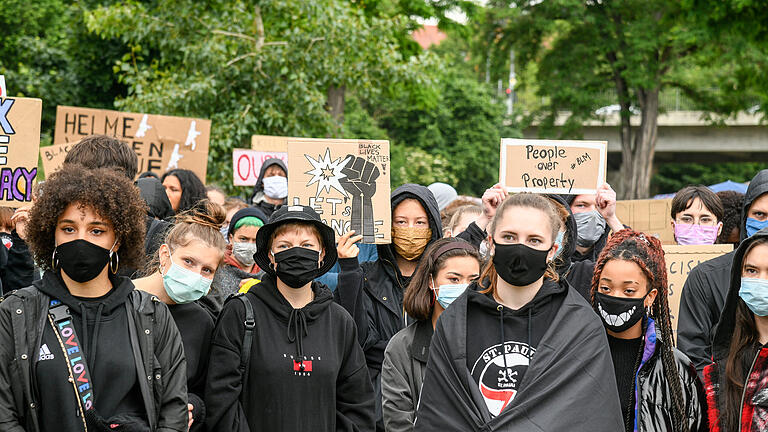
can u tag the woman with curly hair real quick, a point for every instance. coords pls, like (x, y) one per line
(658, 386)
(80, 349)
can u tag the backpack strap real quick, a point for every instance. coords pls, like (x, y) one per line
(250, 324)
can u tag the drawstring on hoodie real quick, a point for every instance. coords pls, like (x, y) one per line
(298, 322)
(500, 308)
(90, 343)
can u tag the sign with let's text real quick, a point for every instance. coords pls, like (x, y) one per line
(552, 166)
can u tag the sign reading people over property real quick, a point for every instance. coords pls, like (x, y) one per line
(19, 143)
(553, 167)
(346, 182)
(161, 142)
(680, 261)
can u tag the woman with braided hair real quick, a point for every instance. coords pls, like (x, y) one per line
(658, 386)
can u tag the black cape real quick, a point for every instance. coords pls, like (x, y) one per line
(570, 382)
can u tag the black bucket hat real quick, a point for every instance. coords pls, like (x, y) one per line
(287, 214)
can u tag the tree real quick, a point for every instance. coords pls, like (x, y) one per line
(253, 67)
(594, 53)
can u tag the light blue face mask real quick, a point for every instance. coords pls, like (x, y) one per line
(754, 225)
(446, 294)
(185, 286)
(559, 243)
(754, 292)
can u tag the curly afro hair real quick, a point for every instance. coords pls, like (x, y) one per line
(110, 194)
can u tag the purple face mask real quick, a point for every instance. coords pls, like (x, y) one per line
(695, 234)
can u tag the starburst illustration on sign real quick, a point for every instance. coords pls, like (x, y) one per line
(327, 173)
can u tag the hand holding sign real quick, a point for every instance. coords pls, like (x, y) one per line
(360, 183)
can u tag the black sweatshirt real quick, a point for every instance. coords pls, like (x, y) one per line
(107, 348)
(196, 328)
(498, 358)
(625, 354)
(332, 393)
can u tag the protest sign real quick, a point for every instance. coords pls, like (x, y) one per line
(53, 156)
(3, 92)
(680, 261)
(161, 142)
(549, 166)
(346, 182)
(19, 143)
(246, 164)
(649, 216)
(270, 143)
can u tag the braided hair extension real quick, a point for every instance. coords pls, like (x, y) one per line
(732, 203)
(646, 251)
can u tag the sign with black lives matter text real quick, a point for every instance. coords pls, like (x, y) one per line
(346, 182)
(680, 260)
(161, 142)
(19, 143)
(551, 166)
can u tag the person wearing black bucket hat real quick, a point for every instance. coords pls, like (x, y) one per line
(305, 370)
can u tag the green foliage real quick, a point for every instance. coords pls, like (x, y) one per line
(672, 177)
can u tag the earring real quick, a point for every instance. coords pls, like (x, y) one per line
(114, 268)
(54, 261)
(648, 311)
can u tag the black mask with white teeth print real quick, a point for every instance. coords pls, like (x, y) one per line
(619, 313)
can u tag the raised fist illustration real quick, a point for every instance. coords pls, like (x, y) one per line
(360, 185)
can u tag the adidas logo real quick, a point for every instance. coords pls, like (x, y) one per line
(45, 353)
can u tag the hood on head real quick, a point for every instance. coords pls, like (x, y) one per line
(259, 186)
(563, 262)
(153, 193)
(757, 187)
(424, 196)
(444, 194)
(723, 331)
(243, 213)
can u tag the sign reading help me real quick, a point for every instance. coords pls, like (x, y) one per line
(680, 261)
(346, 182)
(161, 142)
(549, 166)
(19, 143)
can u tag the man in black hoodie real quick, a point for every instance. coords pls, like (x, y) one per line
(373, 292)
(271, 189)
(706, 288)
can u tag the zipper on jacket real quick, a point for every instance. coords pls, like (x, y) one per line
(744, 392)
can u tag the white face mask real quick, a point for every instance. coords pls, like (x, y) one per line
(276, 187)
(243, 252)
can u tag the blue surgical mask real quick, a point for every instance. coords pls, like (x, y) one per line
(184, 286)
(754, 225)
(559, 243)
(446, 294)
(754, 292)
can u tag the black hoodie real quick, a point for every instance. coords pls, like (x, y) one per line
(706, 288)
(257, 197)
(333, 391)
(715, 373)
(107, 347)
(569, 382)
(158, 210)
(373, 292)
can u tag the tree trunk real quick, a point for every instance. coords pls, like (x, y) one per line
(638, 151)
(335, 105)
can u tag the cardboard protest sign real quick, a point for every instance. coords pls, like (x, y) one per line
(19, 141)
(161, 142)
(246, 164)
(680, 261)
(346, 181)
(53, 156)
(549, 166)
(3, 92)
(270, 143)
(649, 216)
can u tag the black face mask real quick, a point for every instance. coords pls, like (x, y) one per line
(297, 266)
(82, 260)
(619, 313)
(518, 264)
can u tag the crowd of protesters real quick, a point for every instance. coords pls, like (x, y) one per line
(138, 302)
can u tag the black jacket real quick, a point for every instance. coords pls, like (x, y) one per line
(373, 294)
(706, 288)
(714, 373)
(332, 393)
(158, 357)
(569, 383)
(19, 270)
(654, 399)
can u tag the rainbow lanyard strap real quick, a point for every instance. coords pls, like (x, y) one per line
(61, 321)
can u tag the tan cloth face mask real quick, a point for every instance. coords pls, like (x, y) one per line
(410, 242)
